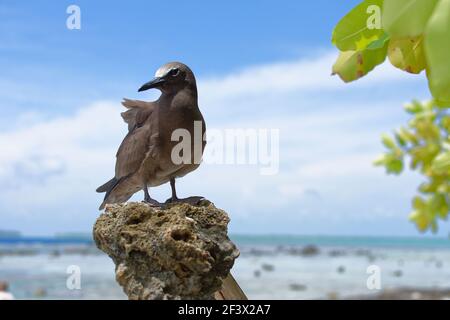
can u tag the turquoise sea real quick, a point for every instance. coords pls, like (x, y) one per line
(269, 267)
(345, 241)
(268, 240)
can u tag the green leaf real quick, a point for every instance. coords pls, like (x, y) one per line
(388, 142)
(441, 163)
(358, 29)
(394, 166)
(414, 107)
(418, 203)
(445, 123)
(380, 161)
(421, 219)
(401, 139)
(407, 18)
(439, 205)
(352, 65)
(407, 54)
(392, 163)
(437, 48)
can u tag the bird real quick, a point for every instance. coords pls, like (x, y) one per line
(144, 158)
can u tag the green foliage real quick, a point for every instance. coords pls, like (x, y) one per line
(437, 47)
(415, 36)
(407, 18)
(425, 142)
(416, 32)
(353, 32)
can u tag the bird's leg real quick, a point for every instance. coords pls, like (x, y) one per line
(149, 200)
(174, 191)
(174, 198)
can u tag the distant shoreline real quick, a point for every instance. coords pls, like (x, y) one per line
(266, 240)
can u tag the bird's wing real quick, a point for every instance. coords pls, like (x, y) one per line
(138, 145)
(137, 113)
(141, 141)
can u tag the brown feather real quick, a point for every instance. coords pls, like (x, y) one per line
(137, 113)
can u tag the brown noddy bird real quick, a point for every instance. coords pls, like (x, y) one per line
(144, 158)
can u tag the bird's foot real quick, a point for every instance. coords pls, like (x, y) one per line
(153, 203)
(190, 200)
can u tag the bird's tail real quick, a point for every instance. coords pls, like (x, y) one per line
(107, 186)
(119, 190)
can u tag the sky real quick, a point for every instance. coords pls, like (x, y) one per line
(259, 65)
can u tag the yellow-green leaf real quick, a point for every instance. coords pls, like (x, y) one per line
(421, 219)
(352, 65)
(407, 54)
(442, 163)
(414, 107)
(388, 142)
(407, 18)
(437, 48)
(418, 203)
(394, 166)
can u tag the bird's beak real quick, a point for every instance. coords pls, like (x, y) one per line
(155, 83)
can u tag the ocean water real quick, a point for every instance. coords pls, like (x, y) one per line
(270, 267)
(345, 241)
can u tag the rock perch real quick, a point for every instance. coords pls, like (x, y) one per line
(176, 252)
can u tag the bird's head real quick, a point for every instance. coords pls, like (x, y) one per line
(170, 78)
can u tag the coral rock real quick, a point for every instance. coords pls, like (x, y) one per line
(176, 252)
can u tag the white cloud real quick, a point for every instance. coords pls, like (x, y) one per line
(52, 163)
(303, 74)
(326, 152)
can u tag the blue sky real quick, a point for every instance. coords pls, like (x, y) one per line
(259, 64)
(132, 38)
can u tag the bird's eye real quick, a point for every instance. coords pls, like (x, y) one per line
(174, 72)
